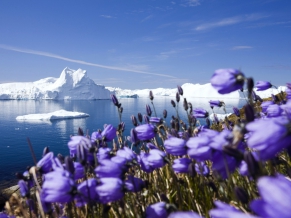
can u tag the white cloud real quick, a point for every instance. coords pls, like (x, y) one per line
(190, 3)
(41, 53)
(147, 18)
(241, 47)
(106, 16)
(230, 21)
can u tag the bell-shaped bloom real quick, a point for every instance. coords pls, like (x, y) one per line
(133, 184)
(103, 153)
(275, 198)
(274, 110)
(243, 169)
(79, 172)
(215, 103)
(108, 168)
(175, 146)
(119, 160)
(87, 192)
(145, 131)
(78, 141)
(288, 94)
(152, 160)
(181, 165)
(220, 140)
(23, 188)
(265, 105)
(96, 136)
(269, 136)
(263, 85)
(126, 153)
(184, 214)
(202, 169)
(157, 210)
(155, 120)
(223, 210)
(223, 164)
(200, 113)
(45, 164)
(227, 80)
(110, 190)
(109, 133)
(59, 187)
(198, 148)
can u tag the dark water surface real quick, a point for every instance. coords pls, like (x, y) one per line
(14, 153)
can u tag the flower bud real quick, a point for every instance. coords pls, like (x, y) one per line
(146, 119)
(80, 132)
(139, 116)
(45, 151)
(250, 85)
(173, 103)
(114, 100)
(177, 97)
(133, 120)
(249, 112)
(149, 110)
(165, 113)
(191, 170)
(180, 90)
(151, 96)
(185, 104)
(69, 165)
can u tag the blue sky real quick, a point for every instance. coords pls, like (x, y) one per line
(145, 43)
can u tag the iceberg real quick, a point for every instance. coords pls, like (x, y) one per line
(56, 115)
(71, 85)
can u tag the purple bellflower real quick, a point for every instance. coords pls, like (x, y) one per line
(227, 80)
(78, 141)
(274, 110)
(181, 165)
(157, 210)
(275, 198)
(96, 136)
(269, 141)
(198, 148)
(220, 140)
(152, 160)
(45, 164)
(224, 210)
(288, 94)
(175, 146)
(87, 192)
(108, 168)
(109, 133)
(23, 188)
(200, 113)
(236, 111)
(59, 187)
(184, 214)
(126, 153)
(133, 184)
(110, 189)
(103, 153)
(202, 169)
(145, 131)
(263, 85)
(223, 164)
(215, 103)
(155, 120)
(265, 105)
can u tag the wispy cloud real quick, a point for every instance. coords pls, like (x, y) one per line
(106, 16)
(41, 53)
(241, 47)
(108, 81)
(147, 18)
(166, 54)
(190, 3)
(230, 21)
(278, 23)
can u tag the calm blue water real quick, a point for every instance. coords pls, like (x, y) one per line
(14, 153)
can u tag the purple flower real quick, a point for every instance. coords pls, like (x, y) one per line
(175, 146)
(110, 189)
(275, 198)
(198, 148)
(274, 110)
(103, 153)
(133, 137)
(115, 101)
(79, 172)
(181, 165)
(224, 210)
(185, 214)
(134, 184)
(109, 133)
(78, 141)
(108, 168)
(155, 120)
(243, 169)
(202, 169)
(223, 164)
(215, 103)
(145, 131)
(220, 140)
(126, 153)
(45, 164)
(96, 136)
(58, 186)
(87, 192)
(152, 160)
(23, 188)
(288, 93)
(227, 80)
(263, 85)
(269, 136)
(149, 110)
(200, 113)
(265, 105)
(157, 210)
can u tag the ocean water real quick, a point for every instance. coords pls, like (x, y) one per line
(15, 155)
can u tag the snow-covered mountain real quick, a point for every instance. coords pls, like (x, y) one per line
(194, 91)
(72, 84)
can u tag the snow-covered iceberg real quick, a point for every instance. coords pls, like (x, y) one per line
(72, 84)
(194, 91)
(56, 115)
